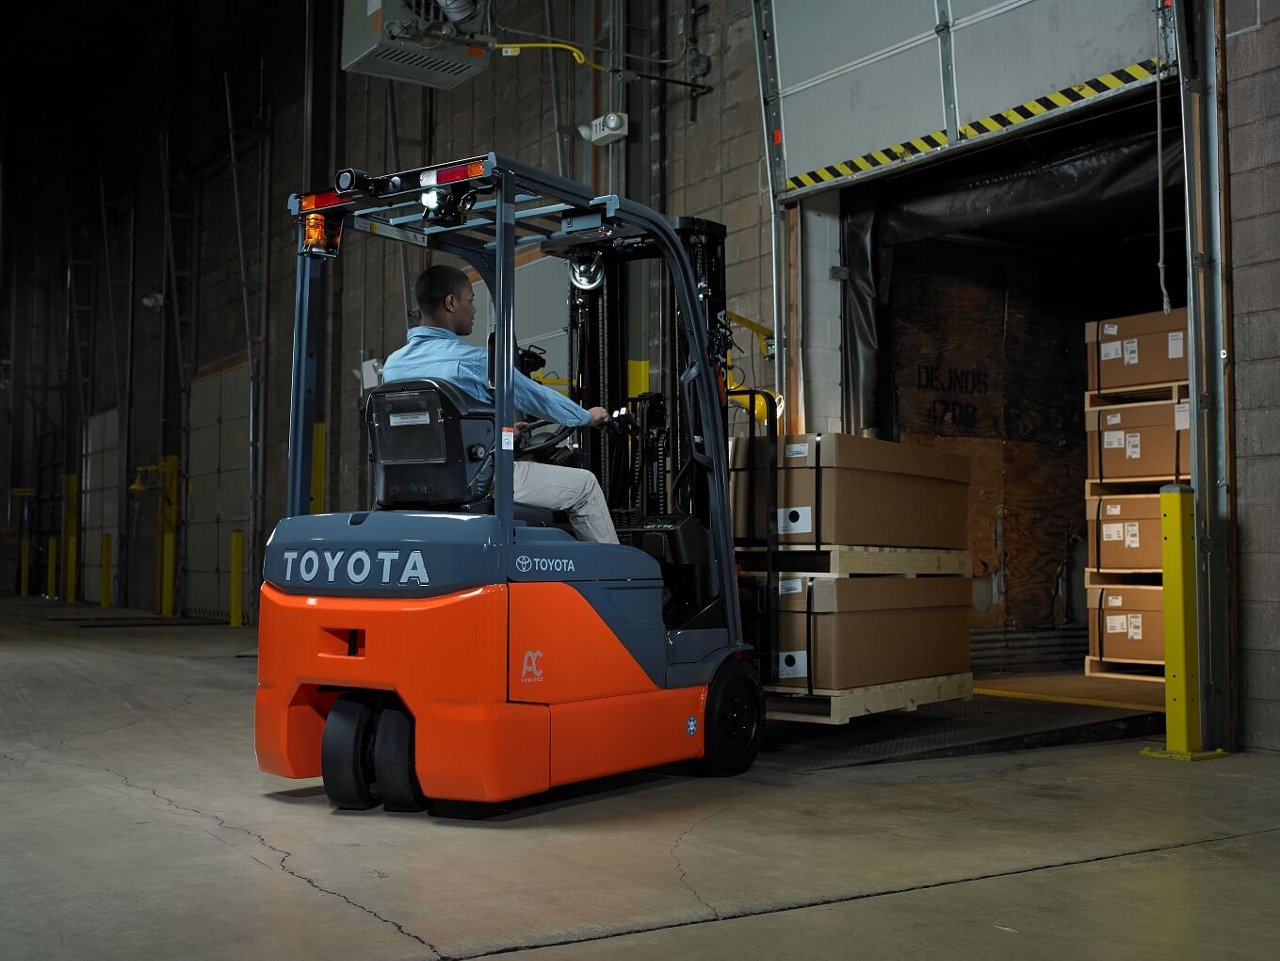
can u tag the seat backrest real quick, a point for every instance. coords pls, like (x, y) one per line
(431, 445)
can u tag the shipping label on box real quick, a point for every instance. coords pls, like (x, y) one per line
(796, 450)
(1117, 624)
(1111, 350)
(1182, 417)
(1175, 344)
(1135, 627)
(1133, 446)
(791, 585)
(1131, 535)
(1113, 510)
(1131, 352)
(1113, 438)
(795, 520)
(1113, 532)
(792, 664)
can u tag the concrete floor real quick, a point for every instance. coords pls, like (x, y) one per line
(136, 825)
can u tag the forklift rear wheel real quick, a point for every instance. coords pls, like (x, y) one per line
(734, 720)
(393, 761)
(346, 754)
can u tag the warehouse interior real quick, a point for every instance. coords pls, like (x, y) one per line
(952, 736)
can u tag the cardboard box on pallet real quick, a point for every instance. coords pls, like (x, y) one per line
(1137, 351)
(1151, 439)
(1126, 623)
(1124, 532)
(872, 492)
(871, 630)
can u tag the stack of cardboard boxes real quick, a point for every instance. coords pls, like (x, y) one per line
(874, 585)
(1138, 423)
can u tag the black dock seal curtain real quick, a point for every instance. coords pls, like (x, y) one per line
(1037, 203)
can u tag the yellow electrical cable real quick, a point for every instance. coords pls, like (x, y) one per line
(579, 57)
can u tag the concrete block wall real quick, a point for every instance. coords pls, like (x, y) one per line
(1253, 116)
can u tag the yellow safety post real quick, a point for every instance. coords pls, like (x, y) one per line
(167, 467)
(70, 535)
(237, 579)
(1181, 640)
(104, 584)
(51, 577)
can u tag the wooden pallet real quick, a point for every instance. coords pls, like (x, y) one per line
(837, 560)
(838, 707)
(1176, 391)
(1129, 670)
(1116, 577)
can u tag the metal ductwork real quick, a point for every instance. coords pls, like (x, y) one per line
(465, 15)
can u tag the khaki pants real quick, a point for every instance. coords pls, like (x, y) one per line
(566, 489)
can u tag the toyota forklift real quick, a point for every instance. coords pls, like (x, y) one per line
(449, 643)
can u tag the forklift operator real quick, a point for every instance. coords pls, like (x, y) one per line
(436, 350)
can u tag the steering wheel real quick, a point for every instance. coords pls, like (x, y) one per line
(552, 435)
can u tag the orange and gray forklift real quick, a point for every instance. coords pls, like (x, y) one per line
(451, 643)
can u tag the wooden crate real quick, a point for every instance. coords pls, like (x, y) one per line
(838, 707)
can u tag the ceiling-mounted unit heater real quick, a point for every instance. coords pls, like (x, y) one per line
(408, 40)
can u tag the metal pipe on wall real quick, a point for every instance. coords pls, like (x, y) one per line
(250, 354)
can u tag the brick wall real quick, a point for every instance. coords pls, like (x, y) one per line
(1253, 105)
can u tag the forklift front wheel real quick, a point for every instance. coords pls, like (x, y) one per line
(346, 754)
(734, 720)
(393, 761)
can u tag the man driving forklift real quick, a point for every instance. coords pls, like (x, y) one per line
(435, 350)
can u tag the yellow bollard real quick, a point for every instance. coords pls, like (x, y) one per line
(237, 579)
(1181, 640)
(168, 553)
(104, 585)
(51, 577)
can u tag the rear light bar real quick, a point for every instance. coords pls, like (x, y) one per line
(452, 174)
(326, 198)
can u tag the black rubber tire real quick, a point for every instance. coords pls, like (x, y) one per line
(393, 761)
(734, 720)
(346, 754)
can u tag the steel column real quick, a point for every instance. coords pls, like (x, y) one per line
(1208, 362)
(308, 336)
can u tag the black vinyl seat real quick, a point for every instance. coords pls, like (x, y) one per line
(432, 448)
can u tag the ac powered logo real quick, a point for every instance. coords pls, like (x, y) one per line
(530, 673)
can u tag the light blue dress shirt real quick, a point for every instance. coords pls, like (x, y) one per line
(436, 353)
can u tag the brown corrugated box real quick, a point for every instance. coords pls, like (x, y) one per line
(1128, 528)
(1139, 350)
(874, 493)
(873, 630)
(1139, 440)
(1129, 620)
